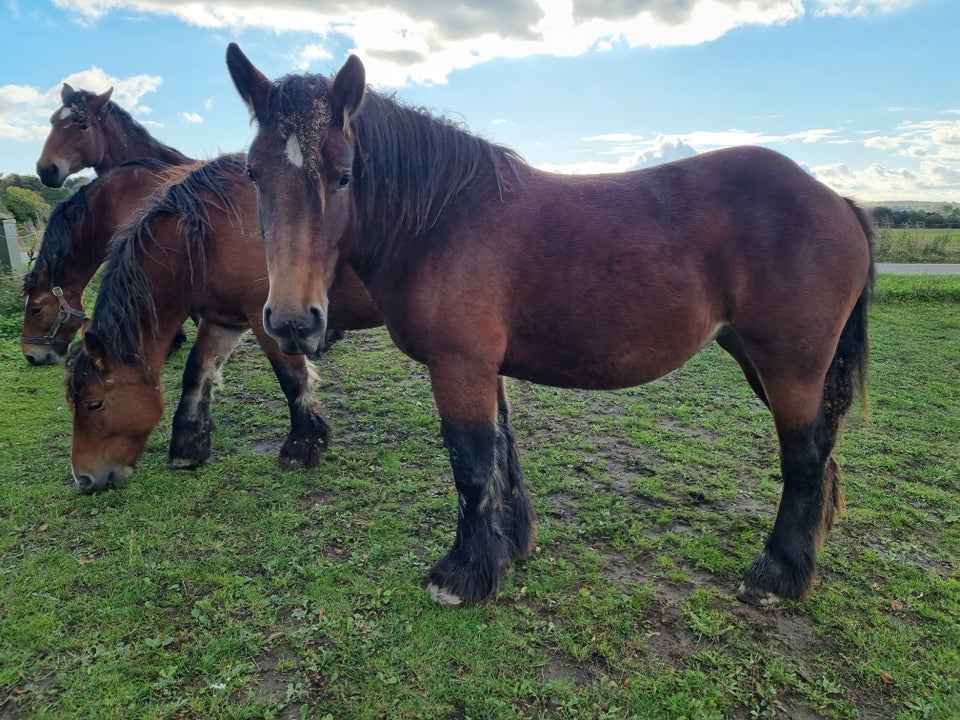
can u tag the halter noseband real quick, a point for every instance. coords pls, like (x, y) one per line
(64, 313)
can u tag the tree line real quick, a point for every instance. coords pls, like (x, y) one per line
(942, 216)
(29, 201)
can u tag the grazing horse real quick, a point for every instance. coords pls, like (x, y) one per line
(195, 249)
(90, 130)
(73, 247)
(482, 265)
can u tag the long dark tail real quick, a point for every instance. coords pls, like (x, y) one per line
(847, 376)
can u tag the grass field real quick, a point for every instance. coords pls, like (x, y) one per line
(243, 591)
(917, 245)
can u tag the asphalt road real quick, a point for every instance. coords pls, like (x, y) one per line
(918, 268)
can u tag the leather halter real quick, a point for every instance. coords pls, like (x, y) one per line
(64, 313)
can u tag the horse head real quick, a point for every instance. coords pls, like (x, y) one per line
(115, 406)
(76, 135)
(302, 161)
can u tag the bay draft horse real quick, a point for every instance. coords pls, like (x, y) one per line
(74, 246)
(195, 249)
(482, 265)
(91, 131)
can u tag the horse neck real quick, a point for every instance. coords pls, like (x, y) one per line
(123, 143)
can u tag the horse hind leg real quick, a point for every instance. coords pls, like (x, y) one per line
(785, 567)
(811, 495)
(191, 439)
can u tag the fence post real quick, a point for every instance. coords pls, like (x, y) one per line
(10, 259)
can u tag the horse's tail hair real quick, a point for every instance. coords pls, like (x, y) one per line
(847, 376)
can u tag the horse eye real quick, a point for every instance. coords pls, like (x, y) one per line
(95, 405)
(84, 127)
(344, 181)
(36, 310)
(249, 173)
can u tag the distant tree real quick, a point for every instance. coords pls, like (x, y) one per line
(51, 196)
(25, 205)
(889, 217)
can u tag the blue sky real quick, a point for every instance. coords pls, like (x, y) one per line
(863, 93)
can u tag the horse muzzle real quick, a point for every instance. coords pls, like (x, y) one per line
(52, 175)
(297, 334)
(42, 354)
(113, 477)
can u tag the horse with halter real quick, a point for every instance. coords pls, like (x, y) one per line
(73, 248)
(194, 249)
(482, 264)
(90, 130)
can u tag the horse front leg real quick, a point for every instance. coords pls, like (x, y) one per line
(309, 436)
(494, 517)
(191, 438)
(521, 517)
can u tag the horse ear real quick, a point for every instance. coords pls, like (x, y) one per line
(96, 349)
(65, 92)
(347, 89)
(97, 104)
(252, 84)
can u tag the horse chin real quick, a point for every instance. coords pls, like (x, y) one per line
(301, 345)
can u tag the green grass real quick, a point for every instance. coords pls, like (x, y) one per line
(242, 591)
(917, 245)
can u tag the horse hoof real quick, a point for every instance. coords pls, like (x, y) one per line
(443, 597)
(757, 597)
(183, 463)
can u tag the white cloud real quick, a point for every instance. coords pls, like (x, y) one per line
(859, 7)
(932, 182)
(191, 117)
(25, 110)
(424, 41)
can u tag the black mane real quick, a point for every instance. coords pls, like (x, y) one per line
(416, 164)
(125, 300)
(57, 243)
(77, 103)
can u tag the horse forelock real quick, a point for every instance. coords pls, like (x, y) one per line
(299, 107)
(80, 366)
(76, 104)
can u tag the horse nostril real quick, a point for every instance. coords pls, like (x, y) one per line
(85, 484)
(31, 359)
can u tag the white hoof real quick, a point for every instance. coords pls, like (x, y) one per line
(443, 597)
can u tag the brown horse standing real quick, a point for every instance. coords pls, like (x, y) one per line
(90, 130)
(482, 264)
(195, 249)
(74, 245)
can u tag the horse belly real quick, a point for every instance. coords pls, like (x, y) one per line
(606, 354)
